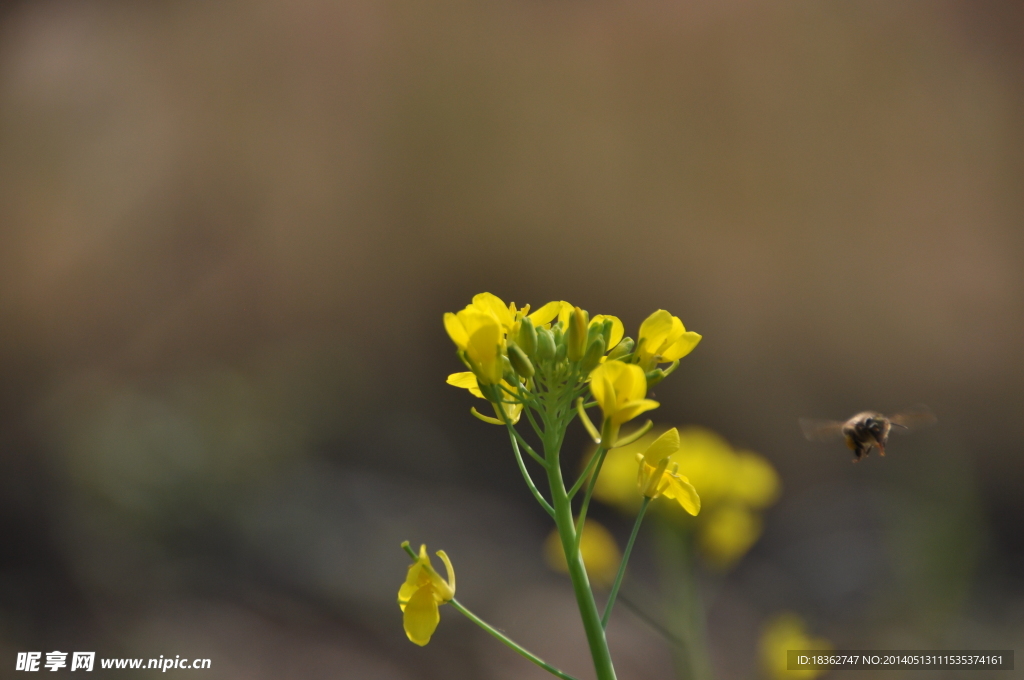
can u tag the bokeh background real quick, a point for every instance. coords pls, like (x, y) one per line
(230, 229)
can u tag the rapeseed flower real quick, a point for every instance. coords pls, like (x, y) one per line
(619, 390)
(663, 339)
(655, 479)
(420, 595)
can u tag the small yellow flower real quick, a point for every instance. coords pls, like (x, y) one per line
(600, 553)
(479, 335)
(781, 634)
(663, 339)
(619, 390)
(467, 381)
(655, 479)
(420, 595)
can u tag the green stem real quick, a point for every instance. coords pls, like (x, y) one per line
(622, 566)
(577, 572)
(601, 452)
(585, 475)
(526, 473)
(508, 642)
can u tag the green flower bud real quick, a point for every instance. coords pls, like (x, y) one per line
(507, 373)
(606, 331)
(527, 337)
(560, 352)
(520, 362)
(545, 345)
(576, 338)
(654, 377)
(593, 356)
(624, 348)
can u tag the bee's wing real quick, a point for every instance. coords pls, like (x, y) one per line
(821, 430)
(913, 418)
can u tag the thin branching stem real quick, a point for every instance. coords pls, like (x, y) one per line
(622, 565)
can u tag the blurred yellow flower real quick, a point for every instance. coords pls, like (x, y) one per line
(619, 390)
(733, 486)
(467, 381)
(420, 595)
(654, 478)
(728, 532)
(600, 553)
(781, 634)
(663, 339)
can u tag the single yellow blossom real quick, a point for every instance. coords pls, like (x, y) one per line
(654, 478)
(781, 634)
(600, 553)
(467, 381)
(619, 390)
(420, 595)
(663, 339)
(479, 335)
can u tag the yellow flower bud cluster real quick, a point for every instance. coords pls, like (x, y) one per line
(511, 353)
(734, 486)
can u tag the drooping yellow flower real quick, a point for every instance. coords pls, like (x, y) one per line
(663, 339)
(598, 548)
(619, 390)
(655, 478)
(781, 634)
(467, 381)
(479, 335)
(420, 595)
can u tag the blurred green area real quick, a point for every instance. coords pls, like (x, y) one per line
(229, 232)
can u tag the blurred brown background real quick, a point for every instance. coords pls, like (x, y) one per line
(230, 229)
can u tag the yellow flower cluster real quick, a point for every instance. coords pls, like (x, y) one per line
(734, 486)
(512, 352)
(781, 634)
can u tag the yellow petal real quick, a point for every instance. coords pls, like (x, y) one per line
(602, 386)
(663, 446)
(467, 381)
(655, 329)
(450, 570)
(496, 306)
(680, 489)
(421, 616)
(456, 331)
(546, 314)
(632, 409)
(681, 347)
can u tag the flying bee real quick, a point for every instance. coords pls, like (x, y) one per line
(868, 429)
